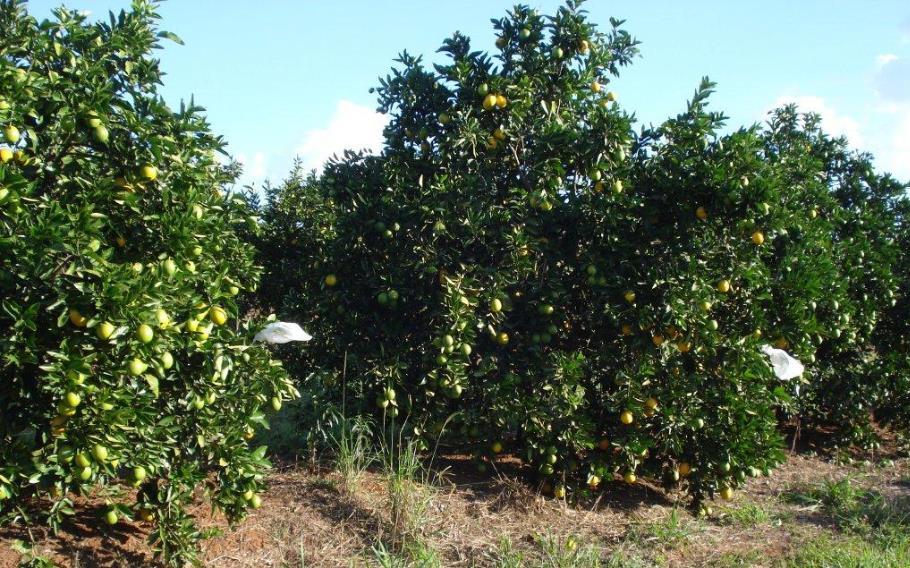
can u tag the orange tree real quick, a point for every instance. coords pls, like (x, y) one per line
(123, 361)
(854, 333)
(521, 270)
(891, 337)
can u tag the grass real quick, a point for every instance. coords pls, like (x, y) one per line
(382, 504)
(551, 551)
(672, 531)
(353, 451)
(409, 490)
(748, 515)
(874, 529)
(415, 556)
(827, 551)
(567, 552)
(854, 509)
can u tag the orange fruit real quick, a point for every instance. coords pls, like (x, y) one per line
(77, 319)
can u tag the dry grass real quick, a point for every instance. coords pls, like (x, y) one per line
(309, 519)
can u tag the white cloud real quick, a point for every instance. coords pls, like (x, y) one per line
(892, 80)
(833, 122)
(351, 127)
(884, 59)
(254, 168)
(894, 155)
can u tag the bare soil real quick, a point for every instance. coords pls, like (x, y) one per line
(308, 518)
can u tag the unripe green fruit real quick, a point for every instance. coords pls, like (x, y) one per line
(105, 330)
(11, 134)
(137, 367)
(100, 453)
(163, 318)
(145, 333)
(148, 172)
(72, 399)
(100, 134)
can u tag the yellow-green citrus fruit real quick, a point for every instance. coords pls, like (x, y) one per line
(137, 367)
(100, 453)
(11, 134)
(105, 330)
(100, 134)
(148, 172)
(145, 333)
(77, 319)
(218, 315)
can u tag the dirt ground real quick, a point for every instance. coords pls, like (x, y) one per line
(309, 518)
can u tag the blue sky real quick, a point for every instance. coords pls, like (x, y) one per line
(281, 78)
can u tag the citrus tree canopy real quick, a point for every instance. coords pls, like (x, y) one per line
(122, 360)
(520, 269)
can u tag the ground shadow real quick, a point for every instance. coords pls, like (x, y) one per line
(85, 540)
(508, 481)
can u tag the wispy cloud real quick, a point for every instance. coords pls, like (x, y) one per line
(834, 122)
(255, 168)
(351, 127)
(892, 80)
(884, 59)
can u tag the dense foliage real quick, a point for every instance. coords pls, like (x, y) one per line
(522, 263)
(122, 361)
